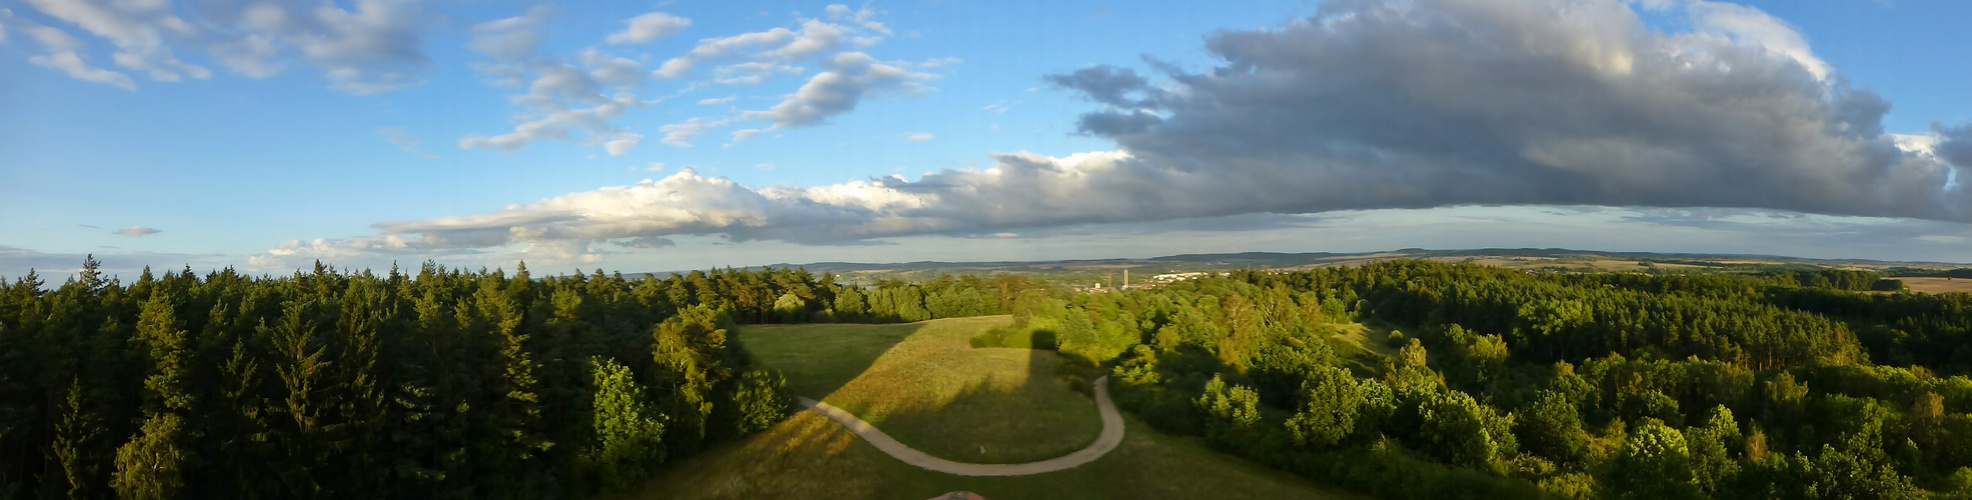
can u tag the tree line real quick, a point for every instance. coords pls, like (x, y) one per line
(438, 383)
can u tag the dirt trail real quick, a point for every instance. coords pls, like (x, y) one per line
(1112, 435)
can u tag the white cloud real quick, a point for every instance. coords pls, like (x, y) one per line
(935, 63)
(622, 73)
(135, 231)
(566, 102)
(777, 46)
(559, 124)
(511, 39)
(374, 48)
(722, 48)
(1750, 26)
(1919, 144)
(998, 108)
(752, 73)
(71, 64)
(921, 137)
(679, 135)
(621, 143)
(138, 29)
(851, 77)
(402, 138)
(655, 167)
(649, 28)
(718, 100)
(53, 39)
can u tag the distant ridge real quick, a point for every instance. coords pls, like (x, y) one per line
(1287, 259)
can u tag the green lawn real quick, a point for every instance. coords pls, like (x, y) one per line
(932, 391)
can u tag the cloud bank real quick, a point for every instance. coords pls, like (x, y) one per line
(371, 47)
(1366, 105)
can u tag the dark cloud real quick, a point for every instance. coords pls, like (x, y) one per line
(1375, 104)
(1955, 147)
(1107, 85)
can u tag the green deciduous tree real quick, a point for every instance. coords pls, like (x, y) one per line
(628, 430)
(1329, 413)
(1551, 428)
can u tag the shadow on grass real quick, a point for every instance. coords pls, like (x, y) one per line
(820, 359)
(1038, 413)
(925, 385)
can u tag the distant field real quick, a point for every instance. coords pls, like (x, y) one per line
(1938, 285)
(932, 391)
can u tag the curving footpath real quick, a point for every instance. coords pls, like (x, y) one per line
(1112, 435)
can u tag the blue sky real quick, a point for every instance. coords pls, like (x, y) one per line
(346, 138)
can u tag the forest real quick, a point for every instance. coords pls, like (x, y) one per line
(1489, 383)
(1514, 384)
(439, 383)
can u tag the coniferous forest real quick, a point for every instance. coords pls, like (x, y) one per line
(439, 383)
(1493, 383)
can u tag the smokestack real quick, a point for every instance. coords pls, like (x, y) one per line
(1126, 279)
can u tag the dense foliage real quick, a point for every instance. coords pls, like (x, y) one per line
(1513, 384)
(438, 384)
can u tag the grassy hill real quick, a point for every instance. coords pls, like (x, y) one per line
(923, 384)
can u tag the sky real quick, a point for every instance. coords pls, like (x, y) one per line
(688, 134)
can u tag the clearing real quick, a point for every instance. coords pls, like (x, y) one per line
(923, 384)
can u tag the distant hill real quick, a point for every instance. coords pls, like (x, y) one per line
(1103, 270)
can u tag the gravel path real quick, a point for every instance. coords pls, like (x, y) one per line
(1112, 435)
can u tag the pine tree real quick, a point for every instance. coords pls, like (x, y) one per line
(157, 324)
(298, 363)
(77, 443)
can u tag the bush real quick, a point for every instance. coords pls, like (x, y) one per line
(762, 399)
(1396, 339)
